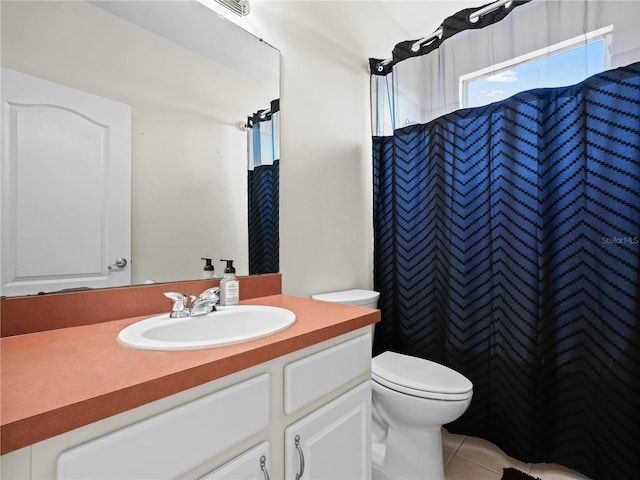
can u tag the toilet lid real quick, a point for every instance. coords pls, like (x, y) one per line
(419, 377)
(349, 297)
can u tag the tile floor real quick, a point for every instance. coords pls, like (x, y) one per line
(471, 458)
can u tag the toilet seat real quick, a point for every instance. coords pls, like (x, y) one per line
(419, 377)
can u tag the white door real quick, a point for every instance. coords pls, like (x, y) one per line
(334, 442)
(65, 189)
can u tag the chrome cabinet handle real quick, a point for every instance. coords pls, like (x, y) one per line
(297, 442)
(263, 466)
(120, 263)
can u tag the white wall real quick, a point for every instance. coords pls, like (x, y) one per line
(326, 240)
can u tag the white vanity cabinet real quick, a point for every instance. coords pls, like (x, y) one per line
(241, 426)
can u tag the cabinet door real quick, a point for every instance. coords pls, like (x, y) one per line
(334, 442)
(251, 465)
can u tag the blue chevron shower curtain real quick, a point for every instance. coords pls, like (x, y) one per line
(507, 247)
(263, 188)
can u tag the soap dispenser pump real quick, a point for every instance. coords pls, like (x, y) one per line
(229, 285)
(207, 271)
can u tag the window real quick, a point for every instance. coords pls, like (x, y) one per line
(563, 64)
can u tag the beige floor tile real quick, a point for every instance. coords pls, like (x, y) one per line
(472, 458)
(461, 469)
(450, 444)
(482, 452)
(552, 471)
(446, 457)
(451, 441)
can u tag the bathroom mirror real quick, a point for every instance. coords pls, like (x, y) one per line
(191, 78)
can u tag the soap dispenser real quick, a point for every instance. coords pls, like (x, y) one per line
(207, 271)
(229, 285)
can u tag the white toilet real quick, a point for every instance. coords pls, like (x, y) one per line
(412, 399)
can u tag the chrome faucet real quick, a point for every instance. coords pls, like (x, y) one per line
(201, 305)
(205, 302)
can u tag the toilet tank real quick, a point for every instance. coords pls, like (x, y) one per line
(363, 298)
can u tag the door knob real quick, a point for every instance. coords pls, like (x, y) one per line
(120, 263)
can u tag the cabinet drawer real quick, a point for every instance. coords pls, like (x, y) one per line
(251, 465)
(311, 378)
(174, 441)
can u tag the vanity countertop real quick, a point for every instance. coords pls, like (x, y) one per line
(58, 380)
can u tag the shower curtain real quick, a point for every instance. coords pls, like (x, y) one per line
(507, 248)
(263, 187)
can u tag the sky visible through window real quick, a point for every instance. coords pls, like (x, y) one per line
(557, 70)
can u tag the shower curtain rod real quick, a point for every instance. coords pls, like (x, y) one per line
(263, 114)
(473, 18)
(274, 107)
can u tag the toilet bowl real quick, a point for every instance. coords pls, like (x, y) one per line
(412, 399)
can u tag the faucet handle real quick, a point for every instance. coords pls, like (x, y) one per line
(179, 307)
(212, 294)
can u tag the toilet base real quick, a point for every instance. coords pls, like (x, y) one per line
(417, 456)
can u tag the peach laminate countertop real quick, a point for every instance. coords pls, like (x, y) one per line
(58, 380)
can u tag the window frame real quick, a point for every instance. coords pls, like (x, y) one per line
(605, 33)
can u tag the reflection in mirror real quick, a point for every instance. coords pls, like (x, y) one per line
(190, 78)
(263, 189)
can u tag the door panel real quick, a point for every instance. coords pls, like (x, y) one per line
(334, 442)
(65, 187)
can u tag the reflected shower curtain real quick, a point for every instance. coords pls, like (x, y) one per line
(263, 219)
(507, 248)
(263, 185)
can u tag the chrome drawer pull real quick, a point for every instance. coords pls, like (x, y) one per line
(263, 466)
(297, 441)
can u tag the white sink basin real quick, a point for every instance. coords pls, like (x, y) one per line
(225, 326)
